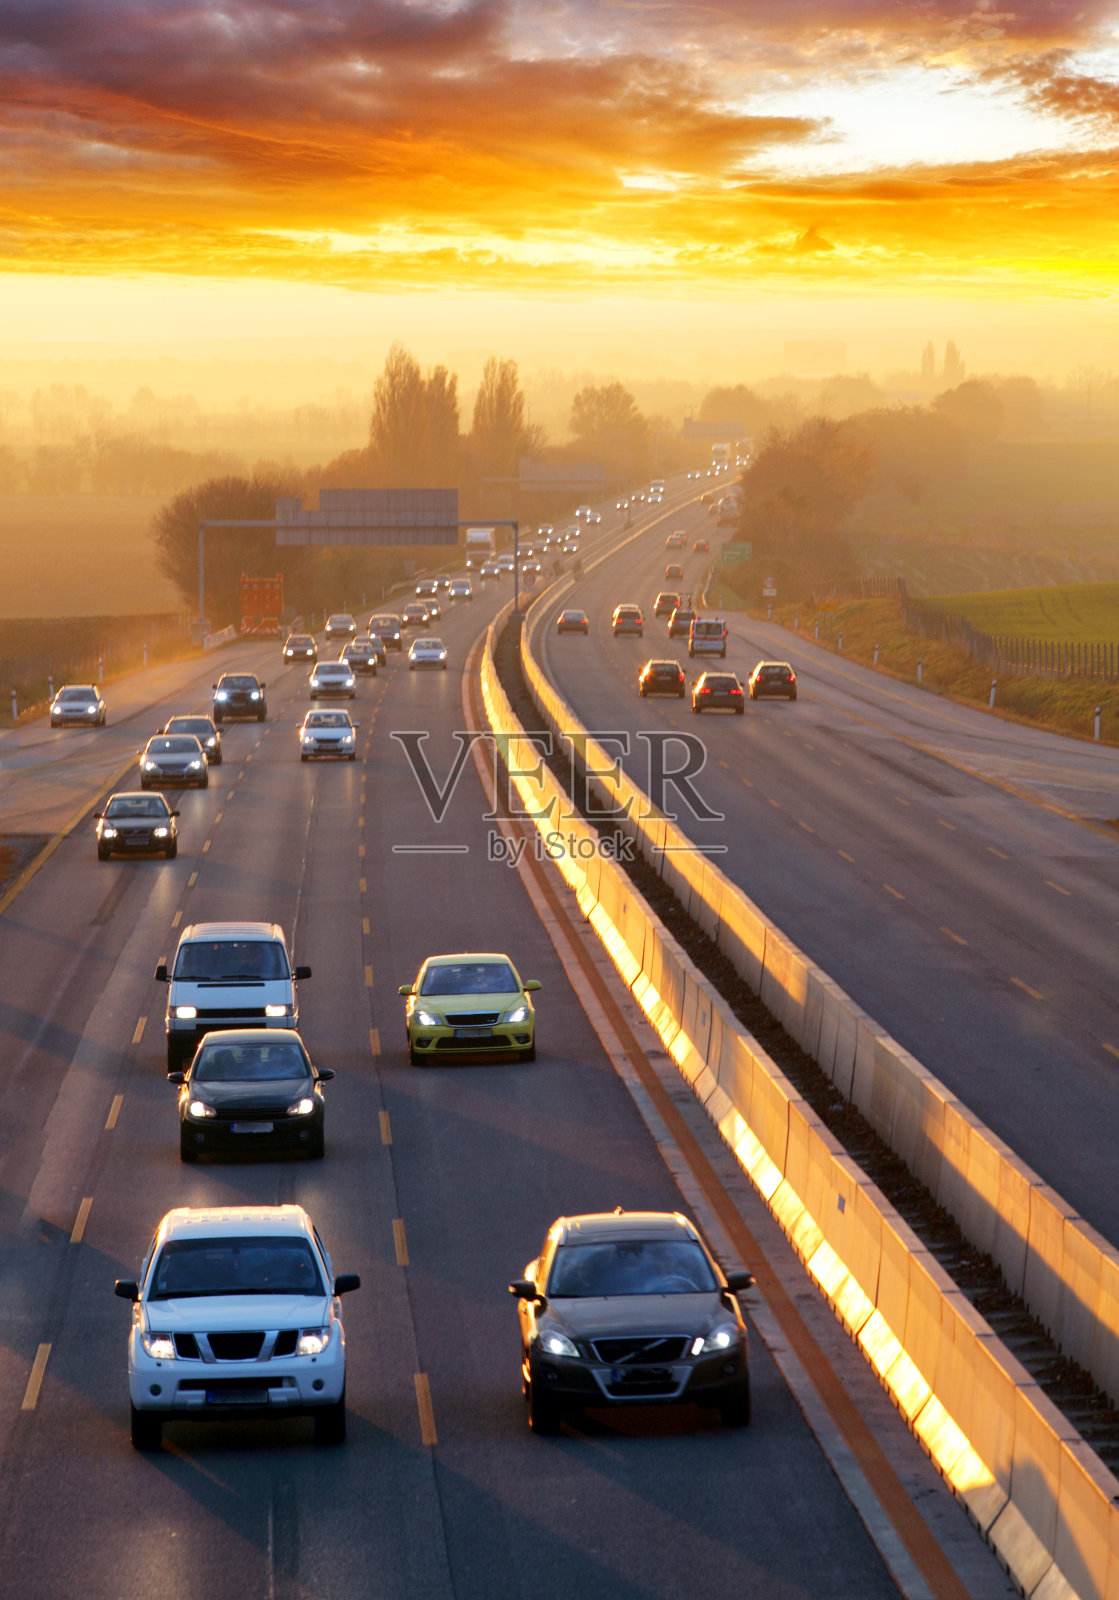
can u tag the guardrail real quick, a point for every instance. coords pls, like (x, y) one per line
(1033, 1486)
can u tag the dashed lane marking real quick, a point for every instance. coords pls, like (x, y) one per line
(361, 885)
(35, 1381)
(138, 1032)
(1033, 992)
(897, 894)
(1110, 1048)
(206, 846)
(1002, 855)
(1066, 892)
(192, 880)
(845, 856)
(369, 977)
(361, 852)
(114, 1113)
(952, 935)
(399, 1241)
(951, 826)
(900, 801)
(386, 1130)
(375, 1044)
(80, 1220)
(365, 926)
(428, 1434)
(230, 795)
(218, 818)
(807, 826)
(176, 919)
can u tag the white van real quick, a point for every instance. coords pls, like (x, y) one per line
(227, 975)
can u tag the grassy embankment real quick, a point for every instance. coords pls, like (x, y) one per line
(1084, 613)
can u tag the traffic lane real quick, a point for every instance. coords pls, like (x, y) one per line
(486, 1156)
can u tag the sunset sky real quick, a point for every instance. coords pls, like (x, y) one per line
(547, 152)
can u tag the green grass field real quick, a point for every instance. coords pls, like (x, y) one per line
(79, 556)
(1074, 612)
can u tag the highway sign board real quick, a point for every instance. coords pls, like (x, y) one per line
(737, 552)
(769, 589)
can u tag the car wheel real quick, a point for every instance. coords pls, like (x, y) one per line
(740, 711)
(172, 850)
(642, 693)
(303, 756)
(793, 695)
(217, 760)
(187, 1152)
(543, 1413)
(144, 784)
(218, 718)
(530, 1053)
(352, 756)
(736, 1413)
(260, 716)
(696, 709)
(330, 1423)
(175, 1058)
(102, 853)
(680, 694)
(204, 783)
(146, 1429)
(317, 1148)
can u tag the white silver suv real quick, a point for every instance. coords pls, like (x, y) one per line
(236, 1314)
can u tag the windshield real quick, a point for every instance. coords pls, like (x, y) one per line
(185, 744)
(328, 719)
(633, 1266)
(237, 681)
(145, 805)
(250, 1063)
(79, 696)
(200, 727)
(376, 624)
(187, 1267)
(232, 958)
(470, 977)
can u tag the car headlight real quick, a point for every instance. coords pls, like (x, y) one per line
(517, 1014)
(194, 765)
(347, 738)
(427, 1019)
(255, 695)
(186, 1013)
(302, 1107)
(199, 1108)
(160, 833)
(108, 833)
(212, 742)
(222, 694)
(558, 1344)
(160, 1346)
(277, 1011)
(91, 711)
(151, 766)
(717, 1339)
(312, 1341)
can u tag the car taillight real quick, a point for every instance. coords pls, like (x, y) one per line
(736, 690)
(705, 690)
(792, 677)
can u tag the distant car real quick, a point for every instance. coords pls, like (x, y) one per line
(204, 730)
(677, 540)
(425, 587)
(386, 625)
(376, 645)
(572, 621)
(332, 678)
(173, 758)
(341, 626)
(773, 678)
(489, 569)
(661, 677)
(236, 1305)
(360, 656)
(695, 474)
(327, 733)
(251, 1090)
(621, 505)
(533, 566)
(300, 647)
(545, 531)
(506, 562)
(715, 690)
(586, 515)
(701, 545)
(239, 694)
(654, 497)
(461, 589)
(429, 652)
(469, 1004)
(707, 636)
(674, 570)
(415, 616)
(680, 622)
(78, 703)
(727, 514)
(666, 603)
(630, 1308)
(571, 547)
(708, 495)
(443, 579)
(133, 823)
(627, 619)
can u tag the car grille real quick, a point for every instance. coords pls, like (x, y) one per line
(471, 1018)
(219, 1014)
(236, 1346)
(249, 1113)
(186, 1346)
(632, 1348)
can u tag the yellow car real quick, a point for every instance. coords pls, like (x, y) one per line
(469, 1005)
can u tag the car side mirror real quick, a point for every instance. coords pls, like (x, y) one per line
(161, 973)
(324, 1074)
(176, 1076)
(213, 686)
(302, 972)
(263, 685)
(525, 1289)
(176, 813)
(345, 1282)
(97, 816)
(737, 1281)
(405, 988)
(127, 1289)
(532, 985)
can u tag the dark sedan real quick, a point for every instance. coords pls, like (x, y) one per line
(718, 691)
(775, 678)
(665, 603)
(132, 824)
(239, 694)
(251, 1089)
(386, 625)
(203, 729)
(680, 622)
(661, 677)
(300, 647)
(572, 621)
(630, 1308)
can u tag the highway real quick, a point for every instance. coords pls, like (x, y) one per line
(440, 1490)
(926, 855)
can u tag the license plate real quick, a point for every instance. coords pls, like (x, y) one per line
(250, 1127)
(135, 844)
(236, 1397)
(473, 1033)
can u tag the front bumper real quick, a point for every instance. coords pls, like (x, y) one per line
(333, 747)
(172, 775)
(712, 1380)
(216, 1136)
(241, 707)
(293, 1385)
(500, 1039)
(185, 1034)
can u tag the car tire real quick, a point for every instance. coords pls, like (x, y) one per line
(260, 716)
(175, 1058)
(187, 1152)
(144, 784)
(218, 719)
(102, 853)
(303, 756)
(680, 694)
(544, 1415)
(530, 1053)
(330, 1422)
(146, 1428)
(736, 1413)
(172, 850)
(793, 695)
(642, 693)
(316, 1150)
(217, 760)
(696, 709)
(740, 711)
(204, 783)
(415, 1058)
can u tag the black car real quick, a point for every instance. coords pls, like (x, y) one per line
(387, 626)
(680, 622)
(630, 1308)
(718, 691)
(661, 677)
(251, 1089)
(203, 729)
(666, 603)
(773, 678)
(300, 647)
(132, 824)
(239, 694)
